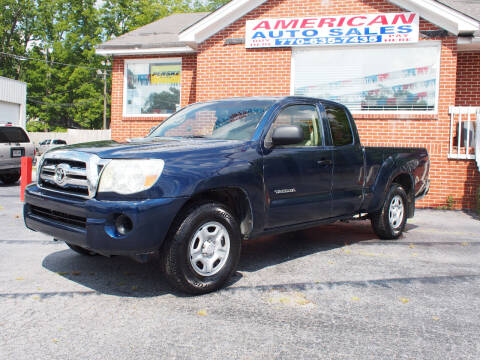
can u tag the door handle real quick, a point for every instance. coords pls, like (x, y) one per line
(324, 162)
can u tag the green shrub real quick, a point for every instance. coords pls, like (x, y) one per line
(450, 202)
(36, 126)
(59, 129)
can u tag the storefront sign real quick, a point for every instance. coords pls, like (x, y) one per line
(333, 30)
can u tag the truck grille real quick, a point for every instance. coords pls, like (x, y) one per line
(58, 216)
(75, 177)
(70, 172)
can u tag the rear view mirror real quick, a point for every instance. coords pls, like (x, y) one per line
(287, 135)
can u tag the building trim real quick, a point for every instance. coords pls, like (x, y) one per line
(440, 15)
(468, 44)
(218, 20)
(436, 13)
(152, 51)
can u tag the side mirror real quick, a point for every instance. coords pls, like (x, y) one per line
(287, 135)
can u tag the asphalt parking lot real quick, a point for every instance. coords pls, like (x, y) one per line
(334, 292)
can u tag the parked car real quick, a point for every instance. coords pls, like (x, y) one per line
(48, 144)
(14, 143)
(217, 173)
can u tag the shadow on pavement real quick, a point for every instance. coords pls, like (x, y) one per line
(2, 185)
(387, 283)
(272, 250)
(118, 275)
(121, 276)
(472, 214)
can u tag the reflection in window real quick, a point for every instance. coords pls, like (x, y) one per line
(339, 126)
(397, 78)
(152, 87)
(306, 117)
(225, 119)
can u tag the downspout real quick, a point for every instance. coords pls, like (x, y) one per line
(477, 139)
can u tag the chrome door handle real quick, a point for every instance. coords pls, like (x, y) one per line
(324, 162)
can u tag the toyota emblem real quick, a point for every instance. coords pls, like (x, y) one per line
(60, 173)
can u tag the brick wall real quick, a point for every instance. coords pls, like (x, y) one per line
(468, 79)
(231, 70)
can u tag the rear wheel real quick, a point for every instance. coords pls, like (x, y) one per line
(390, 221)
(203, 250)
(80, 250)
(10, 178)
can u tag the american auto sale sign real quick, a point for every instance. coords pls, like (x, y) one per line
(333, 30)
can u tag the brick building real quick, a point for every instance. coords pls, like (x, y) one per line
(405, 68)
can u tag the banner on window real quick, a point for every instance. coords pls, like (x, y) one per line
(333, 30)
(165, 74)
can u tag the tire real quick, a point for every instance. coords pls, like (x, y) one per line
(203, 249)
(80, 250)
(10, 178)
(390, 221)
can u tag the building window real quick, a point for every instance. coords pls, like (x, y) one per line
(400, 78)
(152, 86)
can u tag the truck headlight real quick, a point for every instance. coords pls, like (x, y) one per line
(130, 176)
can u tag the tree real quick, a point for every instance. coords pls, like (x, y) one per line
(17, 21)
(164, 102)
(66, 95)
(50, 44)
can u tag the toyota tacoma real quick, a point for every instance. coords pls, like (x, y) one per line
(219, 172)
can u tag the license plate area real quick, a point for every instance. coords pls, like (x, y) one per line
(17, 152)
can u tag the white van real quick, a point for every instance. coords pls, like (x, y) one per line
(14, 143)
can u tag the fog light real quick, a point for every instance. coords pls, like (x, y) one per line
(123, 224)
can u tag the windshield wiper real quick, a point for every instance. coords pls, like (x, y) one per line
(195, 137)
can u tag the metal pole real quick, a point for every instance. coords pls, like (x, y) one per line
(452, 119)
(459, 133)
(104, 99)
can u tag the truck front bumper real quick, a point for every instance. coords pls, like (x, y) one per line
(92, 224)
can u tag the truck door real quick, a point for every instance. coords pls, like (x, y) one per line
(298, 178)
(348, 165)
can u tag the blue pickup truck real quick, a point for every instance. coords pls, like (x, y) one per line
(219, 172)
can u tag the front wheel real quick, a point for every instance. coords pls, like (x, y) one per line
(390, 221)
(203, 250)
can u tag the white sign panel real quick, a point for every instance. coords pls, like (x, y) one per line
(386, 28)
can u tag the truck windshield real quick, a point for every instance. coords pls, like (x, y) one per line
(230, 119)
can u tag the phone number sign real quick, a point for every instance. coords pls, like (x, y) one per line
(333, 30)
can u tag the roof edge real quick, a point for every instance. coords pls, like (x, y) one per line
(218, 20)
(19, 82)
(146, 51)
(468, 44)
(140, 46)
(441, 15)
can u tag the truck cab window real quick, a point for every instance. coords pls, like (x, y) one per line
(306, 117)
(339, 125)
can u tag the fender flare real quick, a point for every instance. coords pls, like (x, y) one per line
(389, 171)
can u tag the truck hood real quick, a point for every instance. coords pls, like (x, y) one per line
(151, 148)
